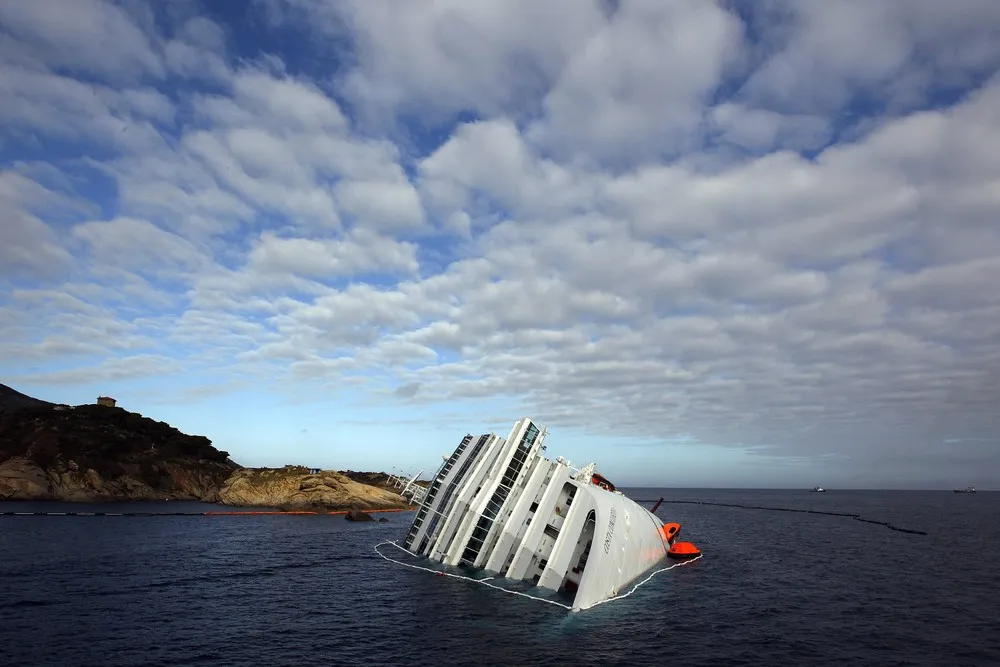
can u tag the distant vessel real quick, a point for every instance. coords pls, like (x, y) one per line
(968, 489)
(497, 504)
(818, 489)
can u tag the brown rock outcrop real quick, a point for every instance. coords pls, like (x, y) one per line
(293, 487)
(22, 479)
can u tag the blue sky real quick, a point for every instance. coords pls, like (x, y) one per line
(706, 244)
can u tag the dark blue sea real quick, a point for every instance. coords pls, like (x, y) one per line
(773, 588)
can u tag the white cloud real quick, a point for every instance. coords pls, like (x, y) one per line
(139, 246)
(272, 146)
(389, 206)
(60, 107)
(760, 130)
(27, 244)
(494, 56)
(639, 218)
(53, 325)
(126, 368)
(959, 287)
(360, 252)
(636, 89)
(896, 51)
(781, 205)
(87, 36)
(199, 53)
(300, 105)
(491, 159)
(247, 176)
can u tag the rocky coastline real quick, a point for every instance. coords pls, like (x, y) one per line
(101, 453)
(296, 488)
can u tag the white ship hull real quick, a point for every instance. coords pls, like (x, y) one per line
(499, 505)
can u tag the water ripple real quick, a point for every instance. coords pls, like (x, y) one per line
(772, 589)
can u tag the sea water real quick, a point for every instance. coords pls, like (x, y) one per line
(773, 588)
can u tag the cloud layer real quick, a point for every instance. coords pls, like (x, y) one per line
(762, 231)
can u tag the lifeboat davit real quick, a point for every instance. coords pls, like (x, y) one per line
(671, 531)
(682, 550)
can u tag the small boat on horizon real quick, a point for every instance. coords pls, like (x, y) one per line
(818, 489)
(968, 489)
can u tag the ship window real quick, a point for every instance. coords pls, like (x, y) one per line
(534, 506)
(542, 563)
(535, 578)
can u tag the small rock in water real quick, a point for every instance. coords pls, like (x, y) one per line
(358, 515)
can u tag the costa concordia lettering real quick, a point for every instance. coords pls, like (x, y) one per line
(497, 504)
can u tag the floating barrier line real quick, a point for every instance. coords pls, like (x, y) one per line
(209, 513)
(485, 582)
(849, 515)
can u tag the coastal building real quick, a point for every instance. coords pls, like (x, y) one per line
(106, 400)
(314, 471)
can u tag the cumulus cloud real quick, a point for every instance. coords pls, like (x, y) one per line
(825, 54)
(361, 252)
(27, 244)
(765, 227)
(125, 368)
(139, 246)
(431, 59)
(75, 37)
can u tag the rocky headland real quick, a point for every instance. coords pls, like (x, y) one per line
(97, 453)
(295, 488)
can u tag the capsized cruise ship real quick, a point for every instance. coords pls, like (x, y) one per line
(498, 504)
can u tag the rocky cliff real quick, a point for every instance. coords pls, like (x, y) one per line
(95, 452)
(293, 487)
(98, 453)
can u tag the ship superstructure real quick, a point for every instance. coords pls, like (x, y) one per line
(500, 505)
